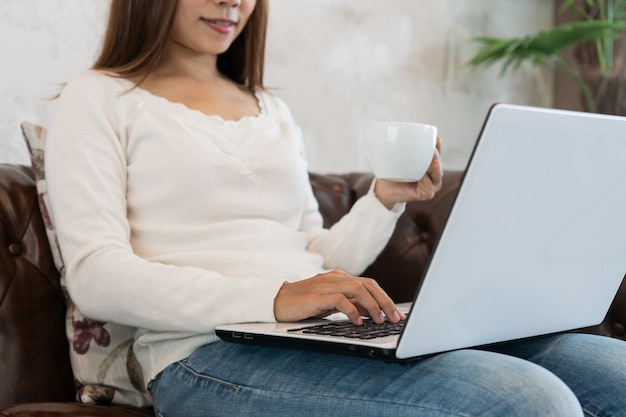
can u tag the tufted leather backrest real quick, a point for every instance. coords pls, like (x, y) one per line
(34, 358)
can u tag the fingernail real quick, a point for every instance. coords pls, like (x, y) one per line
(396, 315)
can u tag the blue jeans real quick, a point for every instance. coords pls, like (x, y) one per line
(560, 375)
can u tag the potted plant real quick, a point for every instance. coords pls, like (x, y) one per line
(594, 29)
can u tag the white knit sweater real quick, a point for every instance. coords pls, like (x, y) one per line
(174, 221)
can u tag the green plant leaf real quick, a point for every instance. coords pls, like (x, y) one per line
(536, 48)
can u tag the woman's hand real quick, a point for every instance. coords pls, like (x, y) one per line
(391, 192)
(331, 292)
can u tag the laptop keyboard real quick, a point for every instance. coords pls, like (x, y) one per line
(367, 331)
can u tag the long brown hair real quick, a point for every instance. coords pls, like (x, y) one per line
(138, 31)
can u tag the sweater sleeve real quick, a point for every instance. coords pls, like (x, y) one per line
(357, 238)
(86, 170)
(354, 241)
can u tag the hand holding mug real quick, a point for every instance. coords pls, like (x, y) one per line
(405, 158)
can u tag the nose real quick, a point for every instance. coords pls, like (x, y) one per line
(228, 3)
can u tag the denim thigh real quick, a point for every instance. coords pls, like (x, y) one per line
(593, 367)
(223, 379)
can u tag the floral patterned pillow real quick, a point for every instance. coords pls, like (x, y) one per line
(104, 365)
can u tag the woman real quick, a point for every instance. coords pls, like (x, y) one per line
(182, 201)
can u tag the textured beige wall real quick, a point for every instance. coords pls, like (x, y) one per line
(338, 63)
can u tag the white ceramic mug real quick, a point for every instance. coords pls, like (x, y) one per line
(399, 151)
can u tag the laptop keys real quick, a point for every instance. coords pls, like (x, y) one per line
(368, 330)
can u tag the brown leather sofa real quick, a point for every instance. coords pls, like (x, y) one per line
(35, 373)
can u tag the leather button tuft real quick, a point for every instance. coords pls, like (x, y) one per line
(618, 329)
(15, 249)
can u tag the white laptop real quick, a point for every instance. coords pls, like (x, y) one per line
(535, 243)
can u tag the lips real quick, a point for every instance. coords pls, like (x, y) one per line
(222, 26)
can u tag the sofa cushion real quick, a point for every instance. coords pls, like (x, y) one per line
(103, 363)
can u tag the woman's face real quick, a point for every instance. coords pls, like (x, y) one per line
(210, 26)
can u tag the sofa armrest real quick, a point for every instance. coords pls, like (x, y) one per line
(34, 354)
(51, 409)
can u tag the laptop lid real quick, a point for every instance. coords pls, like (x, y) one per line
(534, 243)
(536, 239)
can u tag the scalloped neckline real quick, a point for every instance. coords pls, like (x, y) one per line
(214, 117)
